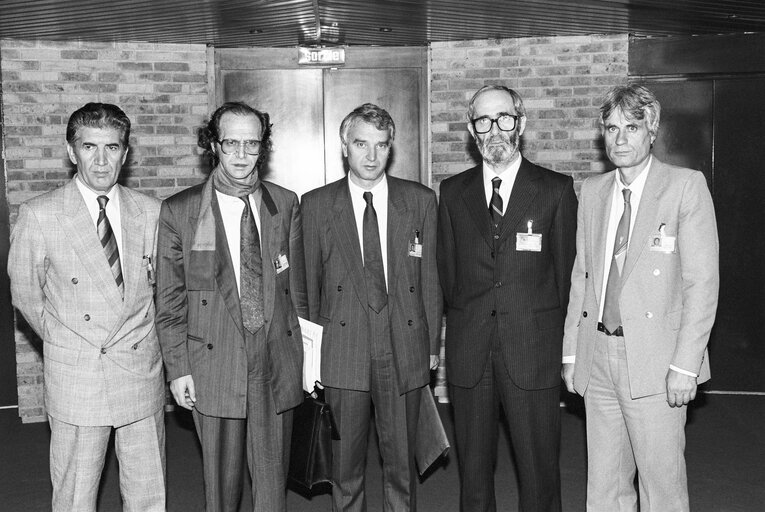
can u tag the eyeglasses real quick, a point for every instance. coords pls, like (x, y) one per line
(505, 122)
(230, 146)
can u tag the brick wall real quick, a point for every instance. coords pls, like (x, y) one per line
(162, 88)
(561, 80)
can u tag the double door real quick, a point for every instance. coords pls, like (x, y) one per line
(307, 105)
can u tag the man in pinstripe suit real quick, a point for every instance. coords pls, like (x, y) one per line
(87, 291)
(506, 245)
(370, 242)
(230, 336)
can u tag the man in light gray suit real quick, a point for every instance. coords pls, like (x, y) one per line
(642, 304)
(230, 282)
(81, 274)
(372, 281)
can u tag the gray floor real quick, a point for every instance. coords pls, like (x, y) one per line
(725, 453)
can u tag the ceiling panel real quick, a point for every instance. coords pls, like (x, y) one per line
(287, 23)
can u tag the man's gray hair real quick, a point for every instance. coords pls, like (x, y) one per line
(368, 113)
(517, 101)
(635, 101)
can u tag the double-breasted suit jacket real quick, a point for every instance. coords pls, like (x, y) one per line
(490, 287)
(199, 317)
(102, 364)
(336, 285)
(668, 298)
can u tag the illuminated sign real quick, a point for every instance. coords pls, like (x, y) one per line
(321, 56)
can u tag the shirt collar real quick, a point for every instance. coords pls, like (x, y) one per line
(91, 195)
(489, 172)
(379, 188)
(638, 183)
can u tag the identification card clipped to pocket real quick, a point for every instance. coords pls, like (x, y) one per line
(528, 241)
(281, 264)
(415, 247)
(661, 242)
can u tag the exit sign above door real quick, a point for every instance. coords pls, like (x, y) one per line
(321, 56)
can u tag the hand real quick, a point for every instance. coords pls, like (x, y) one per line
(567, 374)
(681, 388)
(184, 392)
(434, 362)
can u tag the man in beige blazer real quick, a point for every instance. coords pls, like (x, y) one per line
(642, 304)
(81, 274)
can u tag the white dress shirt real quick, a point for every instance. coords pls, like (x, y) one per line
(507, 175)
(231, 209)
(380, 203)
(112, 211)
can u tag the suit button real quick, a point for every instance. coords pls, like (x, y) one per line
(411, 289)
(286, 291)
(342, 323)
(648, 314)
(409, 322)
(496, 236)
(209, 346)
(492, 254)
(87, 318)
(289, 333)
(103, 350)
(586, 275)
(584, 314)
(493, 312)
(656, 272)
(339, 288)
(204, 302)
(498, 284)
(75, 280)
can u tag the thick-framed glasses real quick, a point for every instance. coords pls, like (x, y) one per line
(505, 122)
(231, 146)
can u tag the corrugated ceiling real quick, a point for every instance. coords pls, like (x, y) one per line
(287, 23)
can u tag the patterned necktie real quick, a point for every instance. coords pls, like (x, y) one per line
(109, 243)
(377, 294)
(612, 317)
(250, 271)
(495, 206)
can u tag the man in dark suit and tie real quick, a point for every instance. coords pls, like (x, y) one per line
(643, 301)
(506, 244)
(81, 274)
(372, 280)
(231, 277)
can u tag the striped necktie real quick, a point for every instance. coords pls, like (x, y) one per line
(612, 317)
(495, 206)
(109, 243)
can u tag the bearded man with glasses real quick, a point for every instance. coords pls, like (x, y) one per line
(506, 245)
(230, 284)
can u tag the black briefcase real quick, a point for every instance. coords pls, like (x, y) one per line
(313, 430)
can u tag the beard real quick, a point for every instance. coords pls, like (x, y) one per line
(499, 154)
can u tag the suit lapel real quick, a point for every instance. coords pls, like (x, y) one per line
(474, 198)
(270, 220)
(224, 272)
(399, 227)
(81, 231)
(344, 228)
(645, 221)
(600, 213)
(525, 189)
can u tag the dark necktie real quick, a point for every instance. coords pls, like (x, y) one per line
(377, 294)
(109, 243)
(495, 206)
(612, 317)
(250, 271)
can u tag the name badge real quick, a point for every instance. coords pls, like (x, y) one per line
(281, 264)
(661, 242)
(415, 247)
(528, 241)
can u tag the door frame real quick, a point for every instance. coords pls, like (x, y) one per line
(224, 59)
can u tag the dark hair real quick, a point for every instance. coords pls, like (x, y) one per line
(369, 113)
(517, 100)
(636, 102)
(210, 133)
(98, 115)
